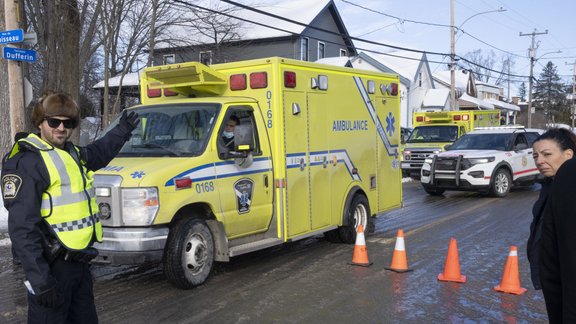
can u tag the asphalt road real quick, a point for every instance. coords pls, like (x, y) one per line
(310, 281)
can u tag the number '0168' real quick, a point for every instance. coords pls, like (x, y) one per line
(205, 187)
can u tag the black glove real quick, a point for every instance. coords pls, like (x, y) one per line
(86, 255)
(129, 121)
(48, 296)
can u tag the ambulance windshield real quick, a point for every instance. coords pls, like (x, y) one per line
(173, 130)
(432, 134)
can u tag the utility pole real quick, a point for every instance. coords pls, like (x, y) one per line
(452, 59)
(573, 112)
(15, 83)
(532, 55)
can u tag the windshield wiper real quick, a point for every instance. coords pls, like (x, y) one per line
(154, 145)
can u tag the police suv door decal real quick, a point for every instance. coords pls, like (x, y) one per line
(243, 189)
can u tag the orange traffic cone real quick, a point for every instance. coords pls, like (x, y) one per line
(511, 278)
(452, 265)
(399, 260)
(360, 257)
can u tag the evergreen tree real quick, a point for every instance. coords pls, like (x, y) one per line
(549, 94)
(522, 91)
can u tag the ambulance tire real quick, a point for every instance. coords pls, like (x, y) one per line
(189, 254)
(501, 183)
(358, 213)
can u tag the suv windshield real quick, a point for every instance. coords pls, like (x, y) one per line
(424, 134)
(175, 130)
(499, 142)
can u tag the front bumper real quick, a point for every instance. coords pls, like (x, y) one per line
(473, 179)
(121, 245)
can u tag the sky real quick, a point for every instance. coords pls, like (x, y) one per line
(495, 31)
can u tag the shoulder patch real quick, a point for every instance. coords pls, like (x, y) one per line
(10, 186)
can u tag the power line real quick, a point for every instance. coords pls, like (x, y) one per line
(333, 33)
(402, 20)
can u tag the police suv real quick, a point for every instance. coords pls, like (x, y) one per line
(489, 160)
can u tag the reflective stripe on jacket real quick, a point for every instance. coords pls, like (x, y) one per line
(68, 205)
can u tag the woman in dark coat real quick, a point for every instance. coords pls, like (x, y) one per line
(553, 153)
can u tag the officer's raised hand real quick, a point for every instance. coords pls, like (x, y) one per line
(129, 121)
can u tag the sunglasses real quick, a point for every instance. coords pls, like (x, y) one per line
(55, 122)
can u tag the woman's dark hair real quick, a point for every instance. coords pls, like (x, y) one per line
(565, 138)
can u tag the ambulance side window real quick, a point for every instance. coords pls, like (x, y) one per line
(237, 115)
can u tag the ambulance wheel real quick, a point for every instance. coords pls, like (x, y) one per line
(189, 254)
(358, 213)
(501, 183)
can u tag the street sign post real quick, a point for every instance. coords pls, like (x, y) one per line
(18, 54)
(11, 36)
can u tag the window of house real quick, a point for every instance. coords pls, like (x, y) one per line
(321, 50)
(343, 52)
(169, 59)
(304, 49)
(205, 57)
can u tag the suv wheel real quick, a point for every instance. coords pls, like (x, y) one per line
(434, 191)
(501, 183)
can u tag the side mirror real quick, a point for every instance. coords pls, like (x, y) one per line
(521, 146)
(447, 147)
(243, 138)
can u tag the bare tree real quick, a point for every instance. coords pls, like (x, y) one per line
(65, 30)
(488, 67)
(129, 27)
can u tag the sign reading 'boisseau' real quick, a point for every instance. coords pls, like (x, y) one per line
(11, 36)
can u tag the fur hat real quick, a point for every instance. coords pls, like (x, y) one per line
(55, 104)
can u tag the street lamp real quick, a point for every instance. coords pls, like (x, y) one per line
(531, 54)
(453, 50)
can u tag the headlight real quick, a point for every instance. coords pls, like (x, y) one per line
(407, 155)
(428, 160)
(139, 206)
(474, 161)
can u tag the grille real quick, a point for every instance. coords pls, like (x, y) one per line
(449, 164)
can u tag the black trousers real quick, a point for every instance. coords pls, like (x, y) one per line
(76, 304)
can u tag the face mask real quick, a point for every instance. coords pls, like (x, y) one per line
(228, 134)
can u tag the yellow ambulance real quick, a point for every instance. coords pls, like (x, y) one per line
(238, 157)
(433, 130)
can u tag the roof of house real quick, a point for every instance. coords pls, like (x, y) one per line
(443, 77)
(502, 105)
(482, 104)
(256, 26)
(405, 63)
(130, 79)
(436, 98)
(303, 11)
(337, 61)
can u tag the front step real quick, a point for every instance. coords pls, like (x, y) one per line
(253, 246)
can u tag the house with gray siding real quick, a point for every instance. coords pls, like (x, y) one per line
(321, 33)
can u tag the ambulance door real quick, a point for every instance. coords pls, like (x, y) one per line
(244, 185)
(319, 119)
(387, 161)
(297, 166)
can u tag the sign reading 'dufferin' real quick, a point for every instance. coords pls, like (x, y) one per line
(18, 54)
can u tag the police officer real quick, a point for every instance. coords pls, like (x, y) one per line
(47, 186)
